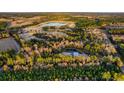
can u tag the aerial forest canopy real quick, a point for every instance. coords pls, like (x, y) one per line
(3, 26)
(61, 47)
(85, 23)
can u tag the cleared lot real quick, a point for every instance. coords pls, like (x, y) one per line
(8, 43)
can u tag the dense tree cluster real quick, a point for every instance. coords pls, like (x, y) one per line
(101, 72)
(3, 26)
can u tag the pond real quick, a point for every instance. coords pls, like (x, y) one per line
(8, 43)
(54, 24)
(73, 52)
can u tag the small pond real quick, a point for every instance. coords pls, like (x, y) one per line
(73, 52)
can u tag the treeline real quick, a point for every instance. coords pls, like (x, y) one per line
(102, 72)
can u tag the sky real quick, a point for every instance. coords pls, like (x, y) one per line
(61, 5)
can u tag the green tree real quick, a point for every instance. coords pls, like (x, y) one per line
(106, 75)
